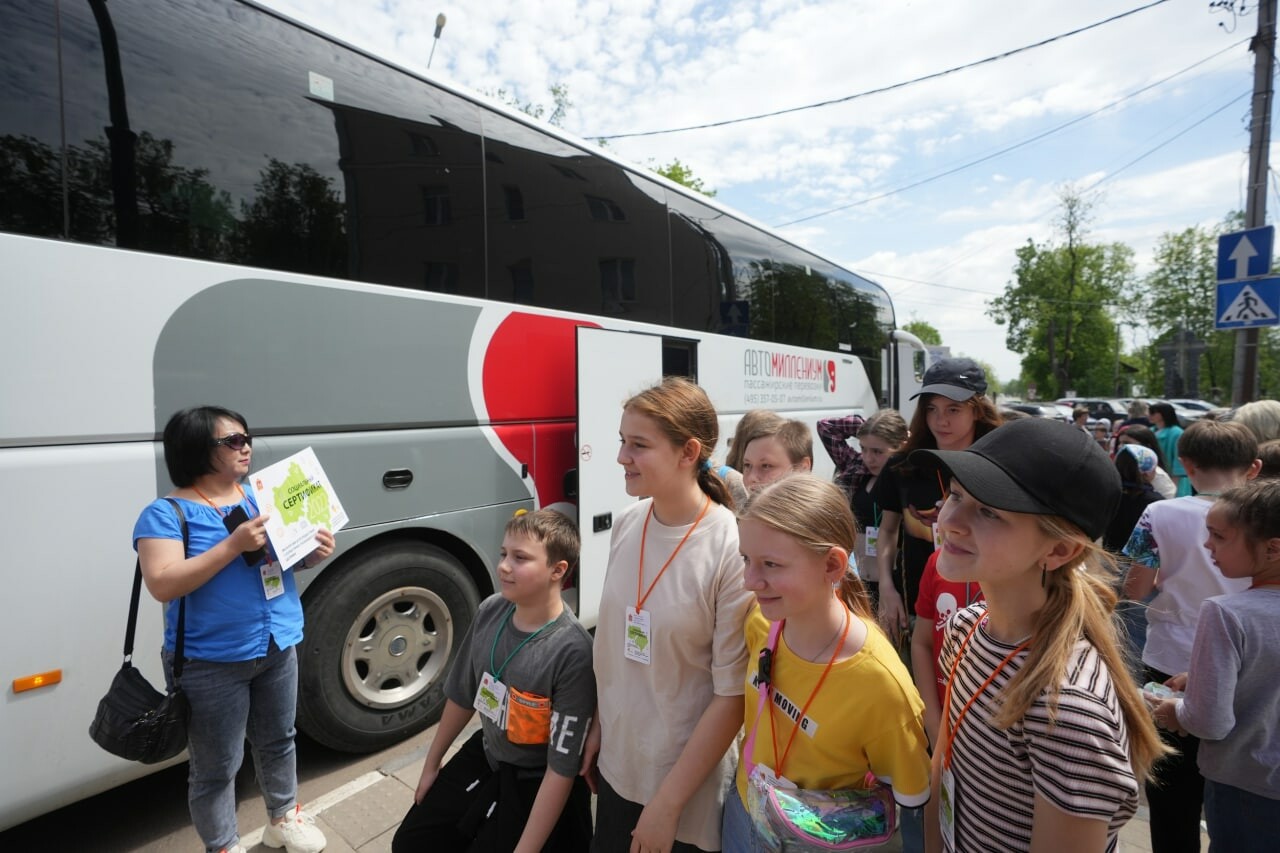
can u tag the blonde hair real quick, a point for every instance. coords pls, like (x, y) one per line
(1080, 604)
(683, 411)
(754, 424)
(816, 515)
(1262, 417)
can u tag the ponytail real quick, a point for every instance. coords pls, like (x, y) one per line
(1080, 604)
(714, 487)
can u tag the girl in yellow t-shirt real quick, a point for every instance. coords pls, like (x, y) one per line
(841, 704)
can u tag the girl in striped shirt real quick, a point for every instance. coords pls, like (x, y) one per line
(1044, 739)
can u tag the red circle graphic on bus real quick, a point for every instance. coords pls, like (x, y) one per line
(530, 381)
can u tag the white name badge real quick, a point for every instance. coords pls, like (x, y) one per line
(491, 700)
(637, 641)
(873, 536)
(947, 807)
(272, 582)
(764, 774)
(937, 536)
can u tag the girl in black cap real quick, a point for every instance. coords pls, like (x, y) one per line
(1044, 738)
(952, 413)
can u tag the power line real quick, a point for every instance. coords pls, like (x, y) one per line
(1158, 146)
(1138, 159)
(1007, 149)
(935, 75)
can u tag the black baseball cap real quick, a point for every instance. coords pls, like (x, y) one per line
(1038, 466)
(955, 378)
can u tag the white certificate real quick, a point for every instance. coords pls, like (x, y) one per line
(298, 499)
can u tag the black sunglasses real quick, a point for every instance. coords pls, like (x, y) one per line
(236, 441)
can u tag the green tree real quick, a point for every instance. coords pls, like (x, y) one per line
(296, 221)
(922, 330)
(683, 175)
(1058, 309)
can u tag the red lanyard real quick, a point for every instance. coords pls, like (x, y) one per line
(211, 503)
(951, 679)
(773, 729)
(644, 534)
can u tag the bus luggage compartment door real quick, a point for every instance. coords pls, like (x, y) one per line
(612, 366)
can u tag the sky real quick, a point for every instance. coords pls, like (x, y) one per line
(927, 188)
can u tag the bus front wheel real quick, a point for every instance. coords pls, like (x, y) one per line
(380, 637)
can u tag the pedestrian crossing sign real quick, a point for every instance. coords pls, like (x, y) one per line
(1248, 304)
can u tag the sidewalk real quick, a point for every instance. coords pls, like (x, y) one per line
(363, 814)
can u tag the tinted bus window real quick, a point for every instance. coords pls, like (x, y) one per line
(257, 142)
(718, 264)
(31, 187)
(571, 230)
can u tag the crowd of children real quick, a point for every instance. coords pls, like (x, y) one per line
(740, 659)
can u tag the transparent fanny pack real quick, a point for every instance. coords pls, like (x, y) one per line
(798, 820)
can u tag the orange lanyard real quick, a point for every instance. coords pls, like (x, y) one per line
(211, 503)
(270, 557)
(773, 729)
(644, 534)
(951, 678)
(942, 487)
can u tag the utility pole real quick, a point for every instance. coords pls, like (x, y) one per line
(1244, 385)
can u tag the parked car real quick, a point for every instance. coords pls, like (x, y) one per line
(1193, 405)
(1041, 410)
(1108, 408)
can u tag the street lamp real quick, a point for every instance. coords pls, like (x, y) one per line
(440, 19)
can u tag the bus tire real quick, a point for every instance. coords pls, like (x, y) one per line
(381, 635)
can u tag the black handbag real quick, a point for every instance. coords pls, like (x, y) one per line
(134, 720)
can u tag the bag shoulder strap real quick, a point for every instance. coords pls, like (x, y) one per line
(182, 603)
(764, 677)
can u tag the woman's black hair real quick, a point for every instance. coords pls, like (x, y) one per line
(188, 442)
(1147, 438)
(1166, 413)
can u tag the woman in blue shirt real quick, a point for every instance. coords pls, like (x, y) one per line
(243, 620)
(1168, 432)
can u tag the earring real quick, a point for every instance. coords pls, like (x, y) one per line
(1044, 568)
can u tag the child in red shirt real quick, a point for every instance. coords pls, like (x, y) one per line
(939, 598)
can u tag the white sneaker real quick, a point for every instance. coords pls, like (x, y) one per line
(297, 834)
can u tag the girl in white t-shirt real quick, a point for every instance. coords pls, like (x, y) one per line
(669, 649)
(1044, 738)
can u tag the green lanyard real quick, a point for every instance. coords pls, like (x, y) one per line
(497, 671)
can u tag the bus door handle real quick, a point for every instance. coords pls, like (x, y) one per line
(397, 478)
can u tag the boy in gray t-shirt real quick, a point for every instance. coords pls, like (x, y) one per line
(525, 665)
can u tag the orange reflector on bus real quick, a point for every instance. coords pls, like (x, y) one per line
(42, 679)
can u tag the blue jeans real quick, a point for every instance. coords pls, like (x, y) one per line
(737, 833)
(256, 699)
(911, 825)
(1239, 820)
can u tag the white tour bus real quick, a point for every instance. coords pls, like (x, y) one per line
(204, 202)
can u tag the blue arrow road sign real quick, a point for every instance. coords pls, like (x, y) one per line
(1248, 304)
(1245, 254)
